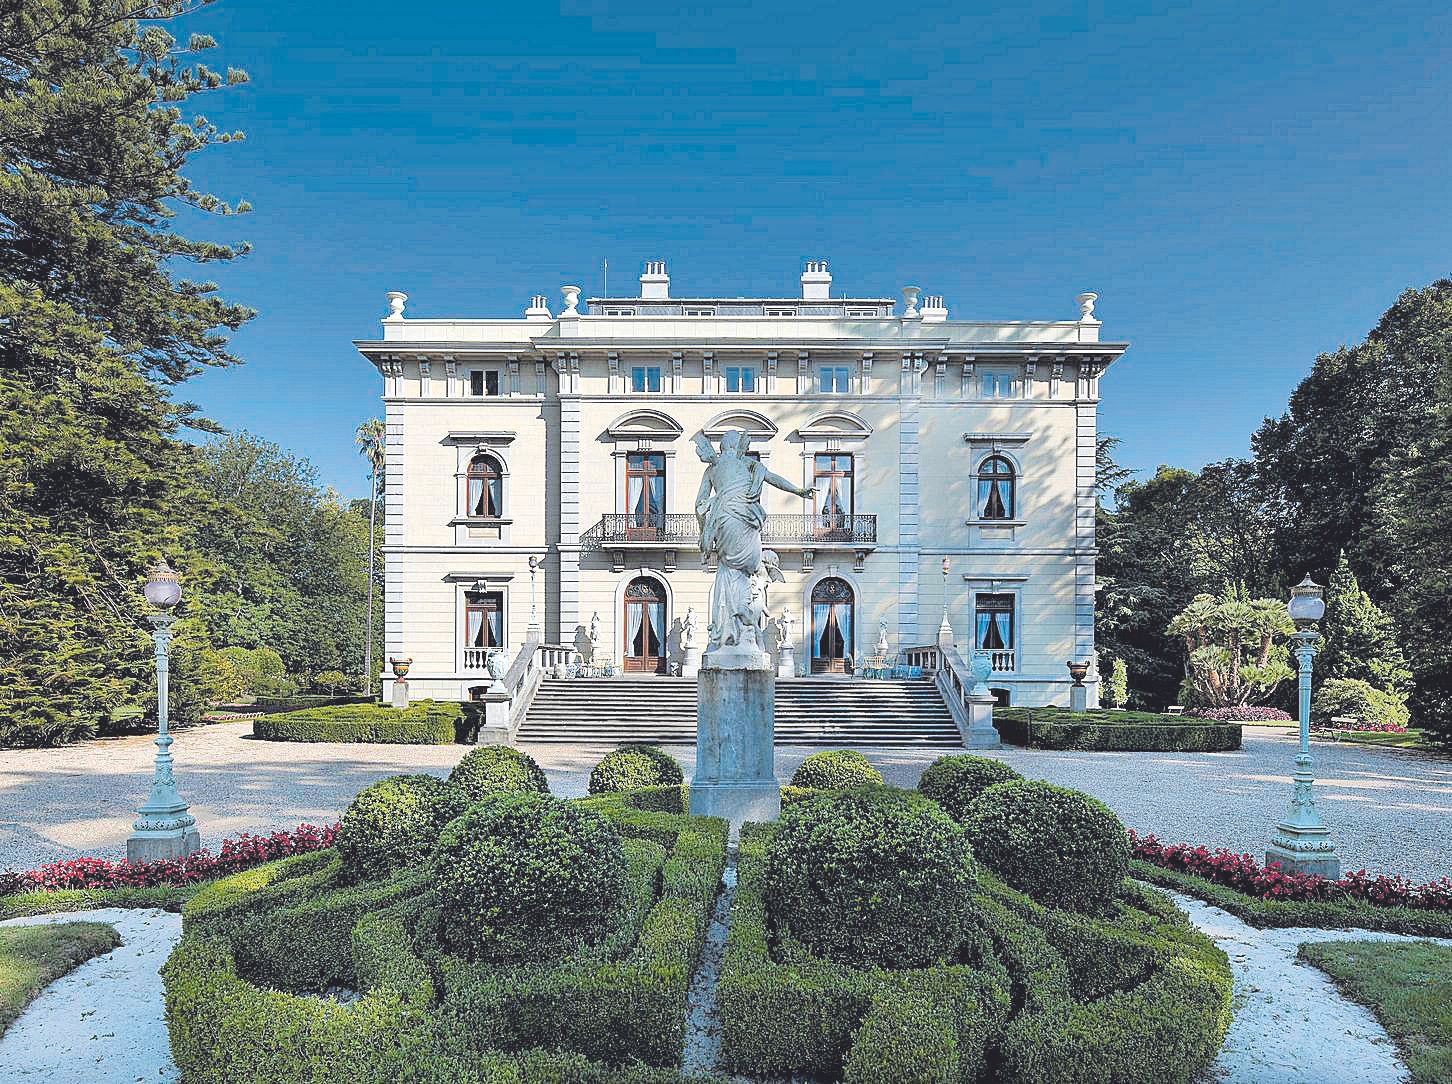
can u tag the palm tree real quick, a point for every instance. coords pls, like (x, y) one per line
(371, 440)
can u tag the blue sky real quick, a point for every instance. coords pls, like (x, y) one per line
(1244, 185)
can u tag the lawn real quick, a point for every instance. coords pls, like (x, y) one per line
(1410, 738)
(1408, 985)
(33, 957)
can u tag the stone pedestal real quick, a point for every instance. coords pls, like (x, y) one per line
(786, 662)
(400, 693)
(1306, 859)
(1078, 698)
(690, 661)
(735, 767)
(494, 730)
(163, 846)
(982, 734)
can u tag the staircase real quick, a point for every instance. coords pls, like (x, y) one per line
(809, 711)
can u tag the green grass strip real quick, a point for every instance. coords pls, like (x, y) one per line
(33, 957)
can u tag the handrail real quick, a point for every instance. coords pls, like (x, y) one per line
(953, 678)
(521, 681)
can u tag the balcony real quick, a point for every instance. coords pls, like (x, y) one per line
(618, 533)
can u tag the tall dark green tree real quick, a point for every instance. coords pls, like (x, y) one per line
(97, 322)
(1361, 638)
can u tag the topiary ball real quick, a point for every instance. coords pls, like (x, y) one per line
(496, 769)
(393, 824)
(835, 769)
(633, 766)
(874, 877)
(955, 781)
(527, 877)
(1060, 846)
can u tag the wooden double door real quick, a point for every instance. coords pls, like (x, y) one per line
(833, 611)
(645, 631)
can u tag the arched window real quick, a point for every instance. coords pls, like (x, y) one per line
(832, 613)
(486, 487)
(995, 488)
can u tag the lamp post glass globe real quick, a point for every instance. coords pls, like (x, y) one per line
(163, 586)
(1308, 604)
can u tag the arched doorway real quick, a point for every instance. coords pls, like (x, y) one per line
(832, 614)
(645, 626)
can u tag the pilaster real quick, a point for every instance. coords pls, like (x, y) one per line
(569, 368)
(907, 504)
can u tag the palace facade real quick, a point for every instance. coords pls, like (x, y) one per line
(541, 478)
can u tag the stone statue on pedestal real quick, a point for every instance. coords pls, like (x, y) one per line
(884, 645)
(735, 774)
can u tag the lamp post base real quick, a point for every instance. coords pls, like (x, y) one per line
(162, 846)
(1307, 851)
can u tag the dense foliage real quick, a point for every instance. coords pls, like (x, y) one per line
(393, 824)
(1349, 697)
(1115, 731)
(496, 769)
(956, 780)
(633, 766)
(834, 769)
(423, 722)
(527, 877)
(1235, 648)
(1360, 475)
(1060, 846)
(874, 876)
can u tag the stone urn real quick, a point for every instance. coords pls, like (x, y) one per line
(1078, 671)
(981, 667)
(400, 667)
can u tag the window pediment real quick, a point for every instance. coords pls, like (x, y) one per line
(644, 425)
(835, 425)
(758, 425)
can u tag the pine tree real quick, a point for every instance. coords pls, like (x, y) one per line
(95, 326)
(1361, 639)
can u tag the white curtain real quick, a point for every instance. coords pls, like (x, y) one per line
(634, 613)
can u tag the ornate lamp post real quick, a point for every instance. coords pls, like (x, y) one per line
(945, 628)
(163, 829)
(1302, 843)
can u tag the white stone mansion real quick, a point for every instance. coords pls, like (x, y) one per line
(542, 478)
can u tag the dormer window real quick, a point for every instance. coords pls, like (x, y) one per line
(701, 312)
(781, 312)
(484, 382)
(619, 312)
(862, 314)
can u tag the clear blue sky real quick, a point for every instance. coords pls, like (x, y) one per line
(1243, 188)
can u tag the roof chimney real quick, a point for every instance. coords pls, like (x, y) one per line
(816, 281)
(538, 308)
(933, 310)
(655, 284)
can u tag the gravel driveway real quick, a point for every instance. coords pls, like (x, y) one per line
(1388, 810)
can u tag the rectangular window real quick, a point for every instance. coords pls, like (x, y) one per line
(645, 480)
(619, 312)
(740, 378)
(998, 384)
(483, 381)
(861, 314)
(781, 312)
(993, 623)
(700, 312)
(484, 619)
(834, 379)
(832, 480)
(645, 378)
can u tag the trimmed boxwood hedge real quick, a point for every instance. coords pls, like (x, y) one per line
(1113, 731)
(235, 1014)
(497, 769)
(954, 781)
(1134, 995)
(394, 823)
(423, 723)
(633, 766)
(835, 769)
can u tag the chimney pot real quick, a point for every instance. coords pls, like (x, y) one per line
(539, 308)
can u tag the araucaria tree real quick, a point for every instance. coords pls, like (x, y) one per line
(1361, 638)
(97, 322)
(1235, 648)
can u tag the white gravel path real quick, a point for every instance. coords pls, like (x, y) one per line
(103, 1023)
(1291, 1024)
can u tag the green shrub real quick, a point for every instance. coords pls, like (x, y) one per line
(955, 781)
(1114, 731)
(527, 876)
(1116, 687)
(791, 796)
(393, 824)
(835, 769)
(424, 723)
(1062, 847)
(1350, 696)
(906, 1037)
(496, 769)
(875, 875)
(272, 884)
(633, 766)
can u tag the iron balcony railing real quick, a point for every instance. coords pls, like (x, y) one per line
(681, 530)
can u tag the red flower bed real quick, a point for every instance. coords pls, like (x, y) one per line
(1362, 726)
(241, 853)
(1242, 873)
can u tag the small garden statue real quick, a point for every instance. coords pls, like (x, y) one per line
(688, 628)
(884, 646)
